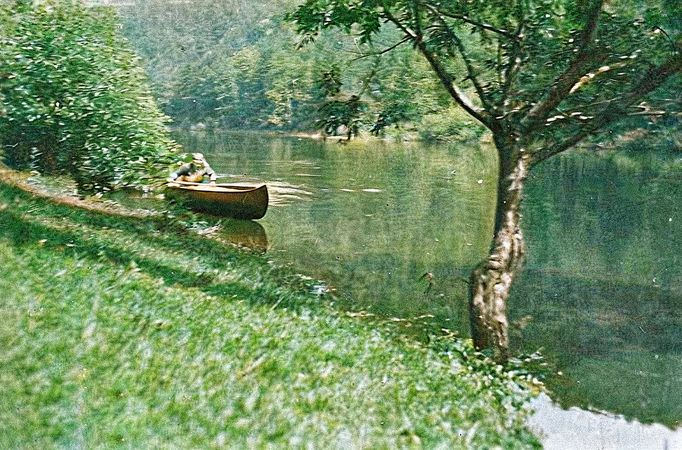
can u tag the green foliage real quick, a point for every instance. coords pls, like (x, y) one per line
(230, 64)
(220, 63)
(75, 99)
(450, 122)
(344, 115)
(226, 64)
(578, 66)
(329, 81)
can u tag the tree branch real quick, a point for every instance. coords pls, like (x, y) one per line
(514, 64)
(455, 92)
(381, 52)
(471, 72)
(616, 109)
(576, 69)
(470, 21)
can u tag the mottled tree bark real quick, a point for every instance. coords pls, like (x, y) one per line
(490, 282)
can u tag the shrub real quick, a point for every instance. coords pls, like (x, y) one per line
(75, 99)
(452, 124)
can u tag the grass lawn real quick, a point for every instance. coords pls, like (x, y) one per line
(128, 332)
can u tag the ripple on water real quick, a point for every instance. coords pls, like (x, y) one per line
(282, 193)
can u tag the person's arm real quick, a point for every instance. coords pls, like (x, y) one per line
(210, 172)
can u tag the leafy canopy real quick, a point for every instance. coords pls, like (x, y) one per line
(540, 74)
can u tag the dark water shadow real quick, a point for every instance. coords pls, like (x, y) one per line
(616, 344)
(244, 233)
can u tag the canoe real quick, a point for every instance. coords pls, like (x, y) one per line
(225, 200)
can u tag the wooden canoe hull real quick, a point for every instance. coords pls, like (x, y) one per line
(225, 200)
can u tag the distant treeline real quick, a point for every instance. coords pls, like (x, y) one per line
(238, 65)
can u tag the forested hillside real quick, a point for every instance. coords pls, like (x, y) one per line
(238, 65)
(235, 64)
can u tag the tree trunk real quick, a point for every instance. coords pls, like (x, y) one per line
(490, 282)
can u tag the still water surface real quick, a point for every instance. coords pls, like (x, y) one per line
(601, 292)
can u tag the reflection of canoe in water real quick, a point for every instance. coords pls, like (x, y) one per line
(245, 233)
(227, 200)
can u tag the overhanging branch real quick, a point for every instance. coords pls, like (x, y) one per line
(615, 110)
(458, 95)
(381, 52)
(455, 92)
(513, 65)
(562, 85)
(470, 21)
(472, 75)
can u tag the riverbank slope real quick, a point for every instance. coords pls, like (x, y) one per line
(119, 331)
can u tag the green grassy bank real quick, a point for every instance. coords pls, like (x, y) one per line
(129, 333)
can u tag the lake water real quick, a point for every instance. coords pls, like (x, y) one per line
(601, 291)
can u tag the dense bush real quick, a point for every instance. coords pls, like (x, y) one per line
(75, 99)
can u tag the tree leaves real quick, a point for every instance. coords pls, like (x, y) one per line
(76, 101)
(527, 61)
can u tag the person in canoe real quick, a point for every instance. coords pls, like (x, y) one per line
(195, 170)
